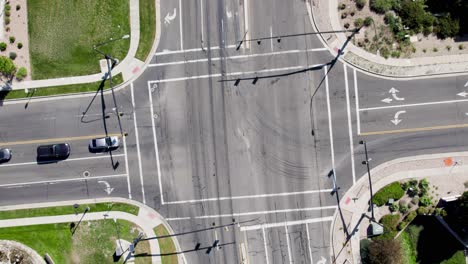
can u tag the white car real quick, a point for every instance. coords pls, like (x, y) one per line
(104, 144)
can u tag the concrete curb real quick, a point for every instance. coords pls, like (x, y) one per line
(430, 73)
(182, 258)
(381, 176)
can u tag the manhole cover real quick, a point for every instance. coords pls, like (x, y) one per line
(86, 174)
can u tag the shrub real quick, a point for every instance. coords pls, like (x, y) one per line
(7, 13)
(18, 7)
(20, 45)
(423, 184)
(447, 27)
(13, 55)
(385, 251)
(7, 67)
(352, 13)
(435, 49)
(392, 190)
(12, 39)
(422, 211)
(405, 186)
(461, 46)
(411, 216)
(395, 54)
(342, 6)
(7, 7)
(393, 207)
(424, 50)
(358, 22)
(7, 29)
(415, 200)
(425, 201)
(21, 73)
(344, 15)
(3, 46)
(346, 25)
(390, 222)
(7, 20)
(402, 225)
(368, 21)
(360, 4)
(403, 209)
(381, 6)
(385, 53)
(448, 47)
(413, 183)
(413, 191)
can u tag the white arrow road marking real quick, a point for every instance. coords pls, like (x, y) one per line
(462, 94)
(322, 260)
(228, 14)
(394, 92)
(387, 100)
(169, 17)
(108, 189)
(395, 120)
(466, 84)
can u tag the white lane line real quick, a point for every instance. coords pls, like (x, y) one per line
(308, 243)
(271, 38)
(330, 127)
(246, 24)
(288, 223)
(279, 211)
(63, 180)
(236, 57)
(169, 52)
(350, 128)
(140, 168)
(155, 140)
(413, 105)
(180, 23)
(76, 159)
(265, 246)
(288, 243)
(233, 74)
(201, 22)
(248, 197)
(126, 166)
(356, 96)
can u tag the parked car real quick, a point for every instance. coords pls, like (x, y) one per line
(5, 155)
(54, 151)
(104, 144)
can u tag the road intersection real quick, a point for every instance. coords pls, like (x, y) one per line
(204, 149)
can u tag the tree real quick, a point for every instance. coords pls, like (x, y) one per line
(7, 68)
(381, 6)
(425, 201)
(21, 73)
(447, 27)
(385, 252)
(413, 15)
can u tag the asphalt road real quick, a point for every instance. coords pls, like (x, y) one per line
(206, 151)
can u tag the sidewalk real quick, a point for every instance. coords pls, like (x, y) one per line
(324, 17)
(348, 219)
(147, 220)
(130, 67)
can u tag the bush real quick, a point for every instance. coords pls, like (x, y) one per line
(390, 222)
(12, 55)
(7, 13)
(20, 45)
(393, 207)
(21, 73)
(7, 67)
(385, 251)
(403, 209)
(405, 186)
(423, 184)
(18, 7)
(358, 22)
(411, 216)
(413, 191)
(422, 211)
(425, 201)
(3, 46)
(395, 54)
(415, 200)
(360, 4)
(414, 15)
(447, 27)
(448, 47)
(381, 6)
(392, 190)
(435, 49)
(344, 15)
(346, 25)
(402, 225)
(7, 7)
(12, 39)
(7, 20)
(341, 6)
(385, 52)
(461, 46)
(368, 21)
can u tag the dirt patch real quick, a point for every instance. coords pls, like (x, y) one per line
(12, 252)
(18, 28)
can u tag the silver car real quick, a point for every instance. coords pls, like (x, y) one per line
(5, 154)
(104, 144)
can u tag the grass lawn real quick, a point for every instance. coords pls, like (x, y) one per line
(61, 210)
(62, 35)
(147, 28)
(408, 251)
(93, 241)
(56, 90)
(393, 190)
(166, 245)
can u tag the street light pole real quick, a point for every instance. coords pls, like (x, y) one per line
(362, 142)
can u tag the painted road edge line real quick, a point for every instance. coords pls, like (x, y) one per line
(140, 169)
(49, 140)
(39, 163)
(63, 180)
(288, 223)
(350, 127)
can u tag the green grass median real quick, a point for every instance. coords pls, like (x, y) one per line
(60, 90)
(62, 35)
(166, 246)
(147, 28)
(93, 241)
(68, 209)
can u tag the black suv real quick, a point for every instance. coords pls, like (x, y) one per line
(55, 151)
